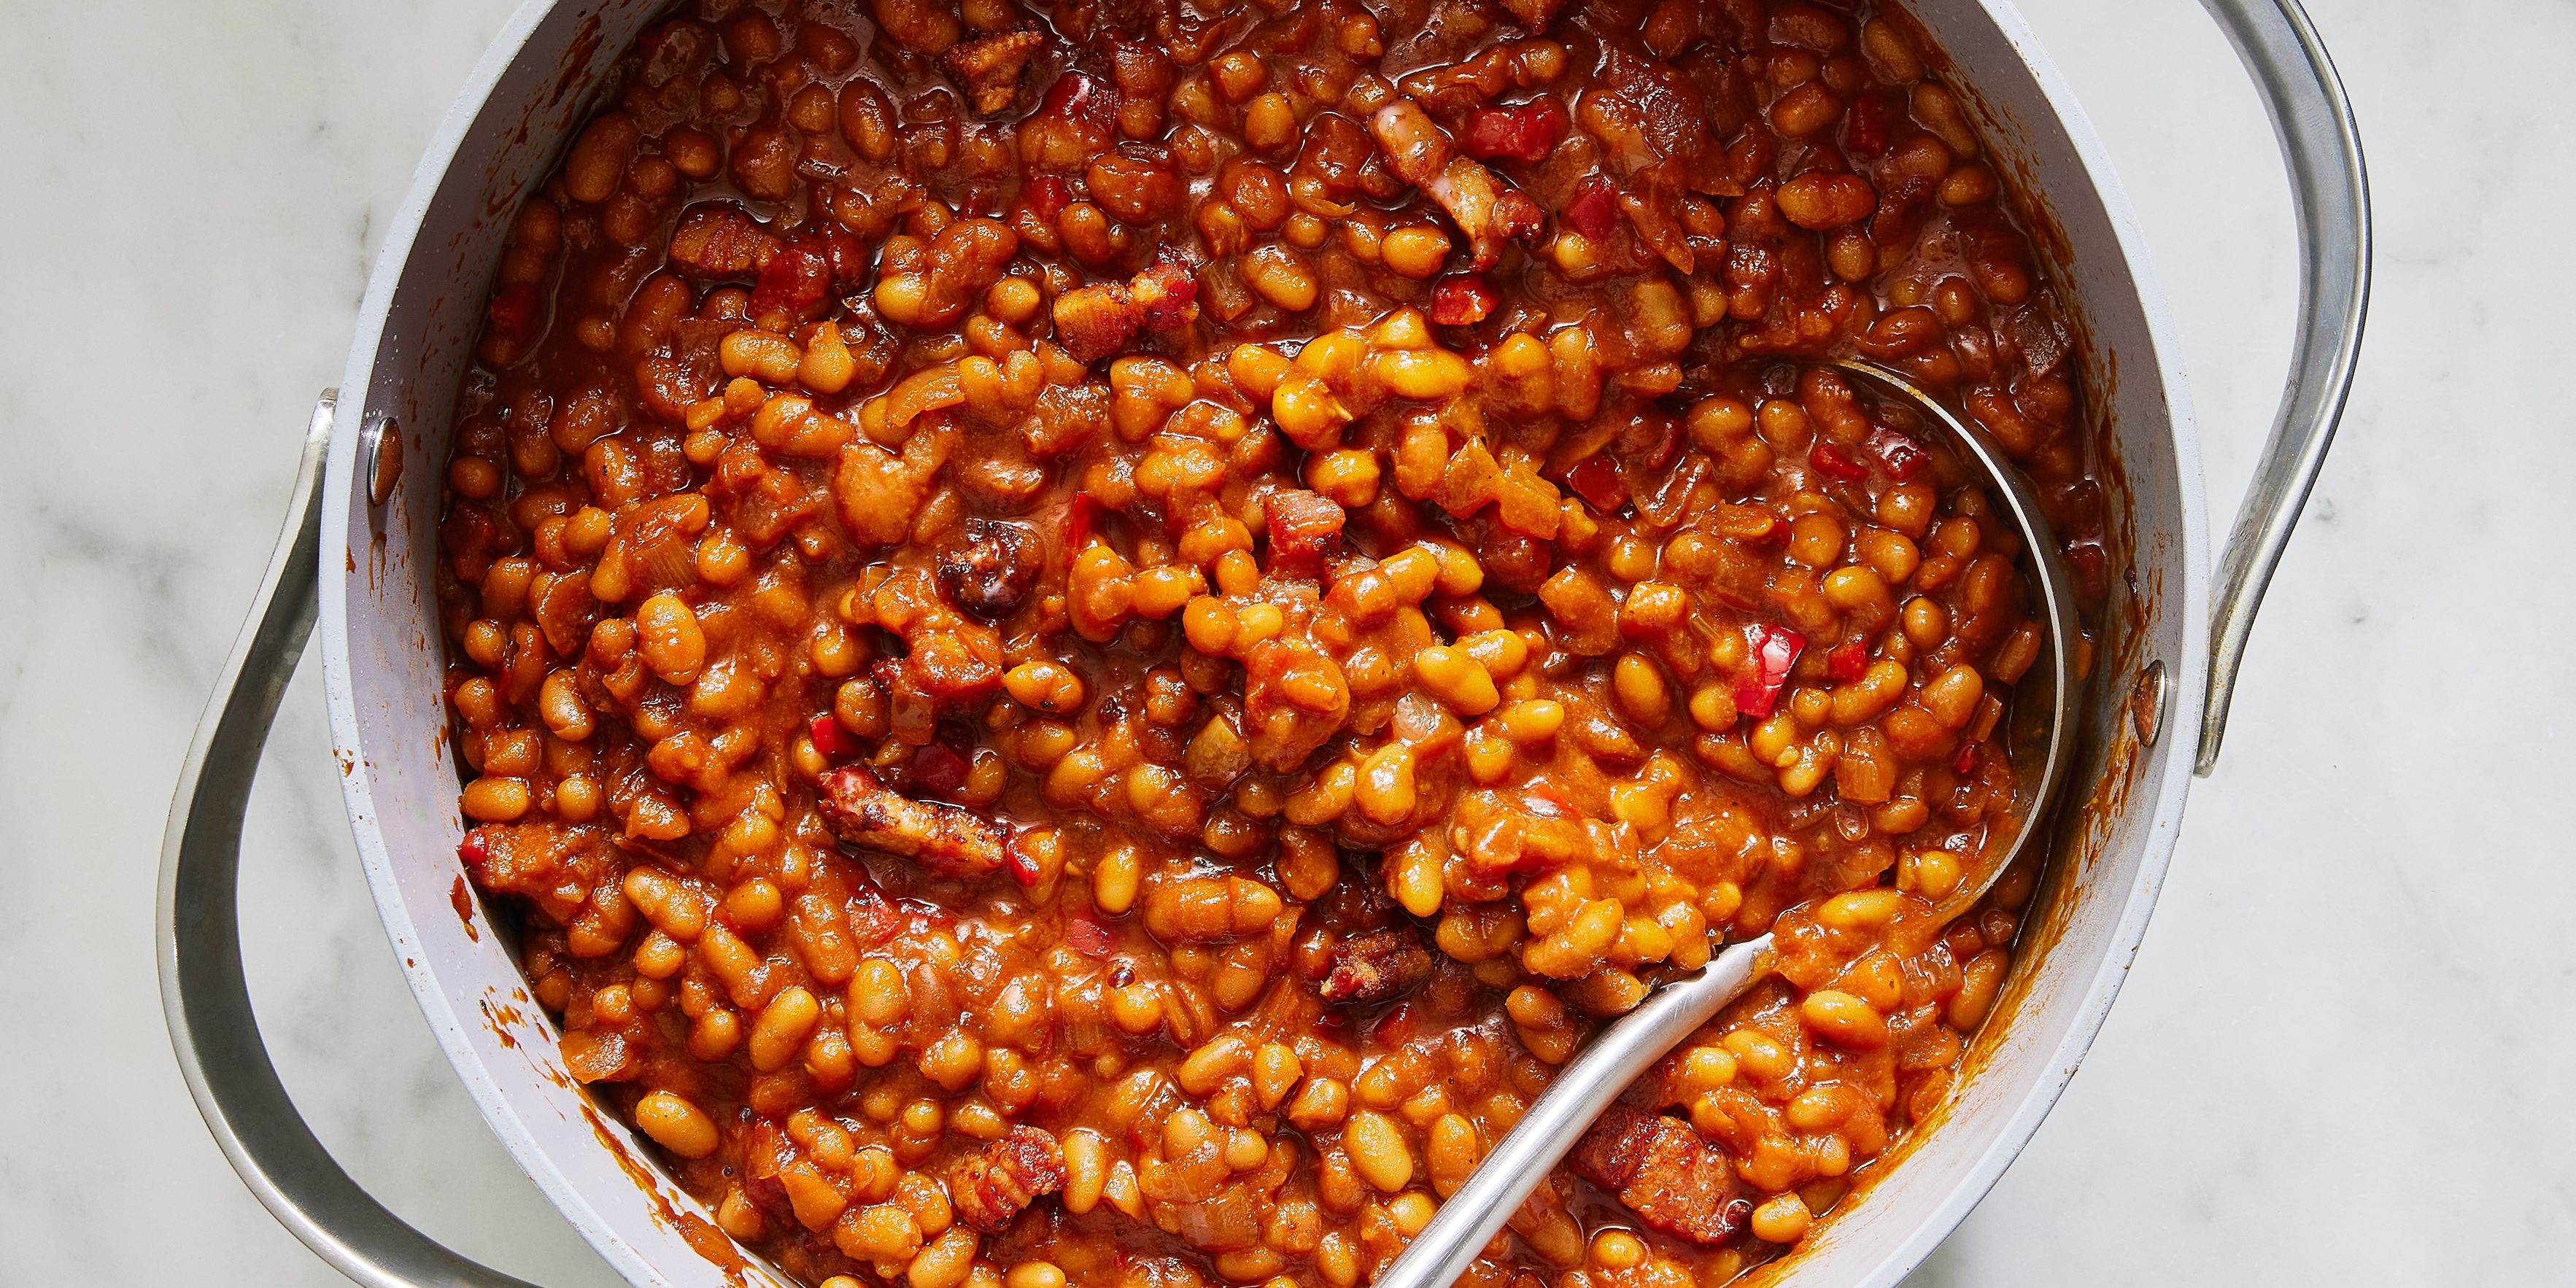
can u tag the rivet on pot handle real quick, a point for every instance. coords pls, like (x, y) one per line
(2331, 187)
(203, 995)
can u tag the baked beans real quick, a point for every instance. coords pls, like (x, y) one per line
(1093, 639)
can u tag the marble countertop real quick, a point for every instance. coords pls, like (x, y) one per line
(2334, 1060)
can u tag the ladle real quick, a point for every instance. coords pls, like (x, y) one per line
(2044, 724)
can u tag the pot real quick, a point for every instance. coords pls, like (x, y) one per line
(359, 550)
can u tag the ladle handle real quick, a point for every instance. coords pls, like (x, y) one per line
(2331, 187)
(1520, 1162)
(203, 995)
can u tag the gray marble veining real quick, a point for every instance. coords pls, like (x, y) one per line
(2341, 1054)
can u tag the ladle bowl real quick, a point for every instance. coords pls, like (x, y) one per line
(2044, 717)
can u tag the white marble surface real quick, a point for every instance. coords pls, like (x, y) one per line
(2340, 1059)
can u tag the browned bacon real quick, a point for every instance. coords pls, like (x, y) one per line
(991, 1186)
(948, 840)
(1672, 1177)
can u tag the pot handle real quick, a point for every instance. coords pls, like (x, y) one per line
(2330, 185)
(203, 995)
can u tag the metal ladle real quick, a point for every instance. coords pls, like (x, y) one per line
(2044, 717)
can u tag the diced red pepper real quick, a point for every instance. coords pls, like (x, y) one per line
(1047, 196)
(835, 742)
(797, 278)
(1903, 457)
(1965, 760)
(1865, 128)
(1462, 299)
(1597, 481)
(1834, 463)
(1520, 131)
(474, 850)
(1775, 651)
(1021, 860)
(1084, 99)
(1848, 660)
(936, 767)
(1594, 210)
(1081, 519)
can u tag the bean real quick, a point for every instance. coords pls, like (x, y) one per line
(1782, 1218)
(668, 636)
(1385, 791)
(1844, 1019)
(779, 1032)
(1281, 276)
(1951, 697)
(945, 1262)
(1416, 251)
(1639, 686)
(496, 800)
(1822, 201)
(1378, 1151)
(676, 1125)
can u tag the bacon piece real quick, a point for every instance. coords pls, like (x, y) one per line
(717, 241)
(1167, 292)
(1097, 320)
(1073, 125)
(954, 662)
(796, 278)
(948, 840)
(1489, 211)
(1672, 1177)
(990, 66)
(1304, 526)
(1084, 934)
(1376, 966)
(990, 571)
(990, 1187)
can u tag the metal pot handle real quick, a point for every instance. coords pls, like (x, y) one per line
(203, 995)
(2331, 187)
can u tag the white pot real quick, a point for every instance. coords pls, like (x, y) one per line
(365, 563)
